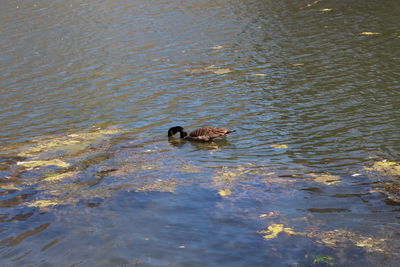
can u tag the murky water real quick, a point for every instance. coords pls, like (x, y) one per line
(90, 88)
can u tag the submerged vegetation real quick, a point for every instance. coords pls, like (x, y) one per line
(341, 238)
(385, 167)
(388, 174)
(335, 239)
(43, 163)
(88, 168)
(53, 166)
(70, 144)
(323, 259)
(326, 179)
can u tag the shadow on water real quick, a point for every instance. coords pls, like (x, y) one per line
(215, 144)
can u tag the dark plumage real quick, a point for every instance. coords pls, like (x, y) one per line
(207, 133)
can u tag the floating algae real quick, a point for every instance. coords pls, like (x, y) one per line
(227, 179)
(68, 144)
(9, 187)
(81, 167)
(44, 203)
(73, 156)
(43, 163)
(274, 230)
(384, 167)
(246, 178)
(389, 174)
(326, 179)
(340, 238)
(55, 177)
(225, 192)
(391, 189)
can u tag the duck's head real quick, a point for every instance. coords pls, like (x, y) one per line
(177, 129)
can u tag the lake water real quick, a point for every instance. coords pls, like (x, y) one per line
(90, 88)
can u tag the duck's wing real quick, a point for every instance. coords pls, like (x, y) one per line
(209, 133)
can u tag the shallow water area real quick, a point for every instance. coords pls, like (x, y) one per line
(89, 90)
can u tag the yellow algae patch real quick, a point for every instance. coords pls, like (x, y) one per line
(279, 146)
(337, 238)
(96, 133)
(228, 179)
(327, 179)
(41, 163)
(168, 185)
(369, 33)
(43, 203)
(48, 145)
(68, 143)
(225, 192)
(385, 167)
(340, 238)
(8, 187)
(275, 229)
(58, 177)
(370, 244)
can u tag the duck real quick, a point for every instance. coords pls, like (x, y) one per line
(206, 133)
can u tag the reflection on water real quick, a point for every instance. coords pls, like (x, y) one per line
(88, 91)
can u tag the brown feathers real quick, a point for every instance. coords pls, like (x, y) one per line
(207, 133)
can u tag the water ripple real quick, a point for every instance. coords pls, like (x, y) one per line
(292, 76)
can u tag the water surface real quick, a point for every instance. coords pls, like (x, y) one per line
(89, 90)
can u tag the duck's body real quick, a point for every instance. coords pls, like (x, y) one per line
(207, 133)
